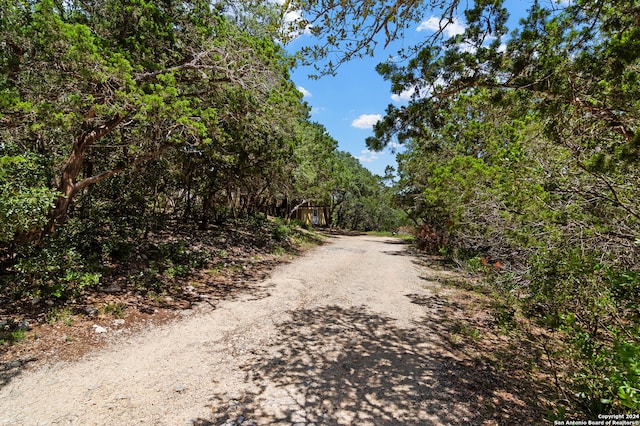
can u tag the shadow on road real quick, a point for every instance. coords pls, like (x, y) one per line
(334, 365)
(11, 370)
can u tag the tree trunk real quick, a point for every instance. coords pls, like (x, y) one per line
(293, 210)
(72, 167)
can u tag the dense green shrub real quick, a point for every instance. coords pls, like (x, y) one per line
(54, 271)
(25, 196)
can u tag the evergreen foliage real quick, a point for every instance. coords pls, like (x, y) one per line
(124, 118)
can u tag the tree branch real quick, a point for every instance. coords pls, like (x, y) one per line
(79, 186)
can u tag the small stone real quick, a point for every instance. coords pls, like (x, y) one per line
(99, 329)
(90, 311)
(179, 388)
(113, 288)
(35, 300)
(23, 325)
(118, 322)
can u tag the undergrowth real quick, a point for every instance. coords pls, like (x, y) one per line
(69, 266)
(591, 311)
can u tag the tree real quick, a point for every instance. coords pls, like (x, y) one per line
(315, 157)
(120, 82)
(119, 118)
(359, 199)
(351, 29)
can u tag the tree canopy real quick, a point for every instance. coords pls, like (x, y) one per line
(120, 118)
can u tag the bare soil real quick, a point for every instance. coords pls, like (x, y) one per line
(356, 331)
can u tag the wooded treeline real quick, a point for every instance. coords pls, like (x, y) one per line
(521, 160)
(121, 118)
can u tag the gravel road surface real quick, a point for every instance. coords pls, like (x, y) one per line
(350, 333)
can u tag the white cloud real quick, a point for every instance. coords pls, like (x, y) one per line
(305, 92)
(405, 95)
(467, 47)
(293, 21)
(422, 90)
(317, 110)
(366, 121)
(367, 156)
(292, 16)
(454, 28)
(434, 24)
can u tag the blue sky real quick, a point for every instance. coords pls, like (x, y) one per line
(349, 103)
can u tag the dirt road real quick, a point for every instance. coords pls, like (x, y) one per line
(354, 332)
